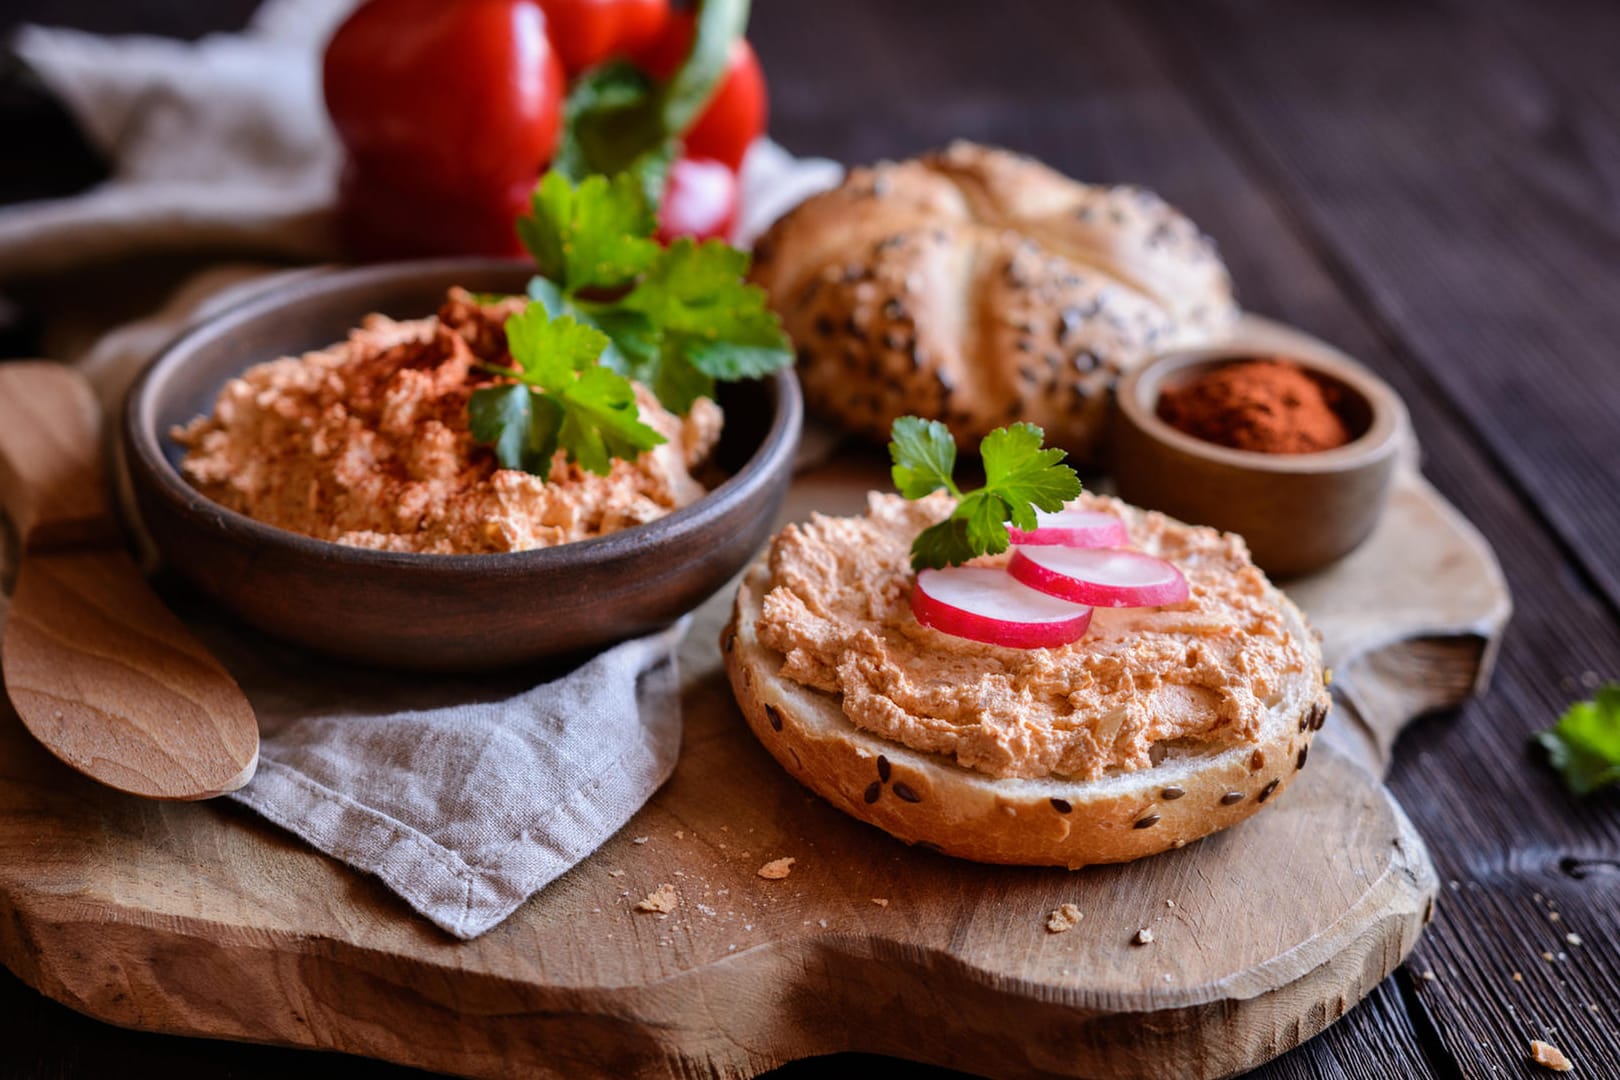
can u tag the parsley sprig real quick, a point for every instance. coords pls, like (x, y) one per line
(1019, 478)
(676, 319)
(562, 398)
(1584, 746)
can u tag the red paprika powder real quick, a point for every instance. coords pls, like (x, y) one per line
(1265, 405)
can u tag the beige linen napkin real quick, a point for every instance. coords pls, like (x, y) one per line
(464, 796)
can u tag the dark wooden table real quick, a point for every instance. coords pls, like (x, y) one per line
(1435, 187)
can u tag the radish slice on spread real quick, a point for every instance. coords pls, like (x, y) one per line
(984, 604)
(1102, 578)
(1073, 528)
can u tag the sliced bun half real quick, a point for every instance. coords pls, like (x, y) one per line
(929, 800)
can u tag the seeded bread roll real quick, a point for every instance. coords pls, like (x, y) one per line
(979, 287)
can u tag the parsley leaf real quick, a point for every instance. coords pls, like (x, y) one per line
(710, 319)
(548, 351)
(924, 456)
(1020, 478)
(562, 399)
(985, 513)
(677, 382)
(597, 235)
(676, 319)
(939, 546)
(691, 288)
(600, 421)
(612, 126)
(524, 436)
(1027, 477)
(1584, 746)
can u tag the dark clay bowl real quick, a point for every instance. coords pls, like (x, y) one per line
(437, 612)
(1298, 512)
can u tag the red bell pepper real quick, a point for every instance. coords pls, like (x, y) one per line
(450, 110)
(587, 32)
(445, 109)
(735, 116)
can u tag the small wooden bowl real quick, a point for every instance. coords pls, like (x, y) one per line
(1298, 512)
(437, 612)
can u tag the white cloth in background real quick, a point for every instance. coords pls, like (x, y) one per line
(463, 796)
(220, 144)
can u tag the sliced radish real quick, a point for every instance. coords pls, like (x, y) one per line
(984, 604)
(1073, 528)
(1100, 577)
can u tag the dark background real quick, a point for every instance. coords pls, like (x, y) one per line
(1433, 186)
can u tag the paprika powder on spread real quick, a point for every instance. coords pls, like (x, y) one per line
(1269, 406)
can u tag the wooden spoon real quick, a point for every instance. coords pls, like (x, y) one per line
(99, 670)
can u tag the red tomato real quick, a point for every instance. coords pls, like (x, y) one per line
(461, 98)
(700, 201)
(587, 32)
(736, 115)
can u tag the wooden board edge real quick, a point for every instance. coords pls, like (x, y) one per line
(828, 994)
(1382, 682)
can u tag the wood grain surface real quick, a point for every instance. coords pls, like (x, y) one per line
(1492, 202)
(117, 687)
(51, 477)
(1244, 115)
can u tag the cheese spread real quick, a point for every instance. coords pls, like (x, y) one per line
(1201, 672)
(366, 443)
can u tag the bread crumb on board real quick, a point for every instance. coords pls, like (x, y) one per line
(1063, 919)
(880, 901)
(777, 869)
(661, 900)
(1549, 1056)
(1143, 936)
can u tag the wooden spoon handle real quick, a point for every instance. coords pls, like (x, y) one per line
(51, 478)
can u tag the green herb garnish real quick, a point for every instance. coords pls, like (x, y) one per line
(1019, 478)
(562, 399)
(1584, 746)
(676, 319)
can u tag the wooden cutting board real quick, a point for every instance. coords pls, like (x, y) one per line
(203, 920)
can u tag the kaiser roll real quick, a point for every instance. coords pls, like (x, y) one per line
(979, 287)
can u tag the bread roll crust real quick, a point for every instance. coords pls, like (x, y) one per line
(979, 287)
(928, 800)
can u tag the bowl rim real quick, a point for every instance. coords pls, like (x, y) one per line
(146, 453)
(1389, 430)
